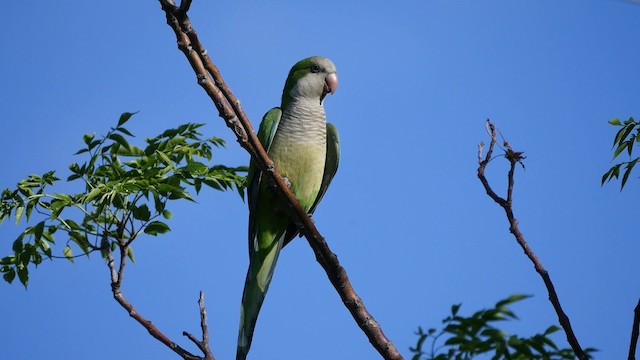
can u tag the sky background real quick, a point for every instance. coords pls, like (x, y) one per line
(406, 214)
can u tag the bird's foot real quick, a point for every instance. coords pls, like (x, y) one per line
(300, 227)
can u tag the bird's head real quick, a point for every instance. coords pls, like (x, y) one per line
(311, 78)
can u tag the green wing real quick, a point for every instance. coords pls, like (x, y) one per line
(266, 132)
(330, 169)
(330, 165)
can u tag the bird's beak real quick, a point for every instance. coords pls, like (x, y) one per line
(330, 85)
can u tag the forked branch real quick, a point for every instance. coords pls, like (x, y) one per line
(209, 78)
(515, 158)
(117, 272)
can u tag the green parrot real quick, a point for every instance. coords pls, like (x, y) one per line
(305, 150)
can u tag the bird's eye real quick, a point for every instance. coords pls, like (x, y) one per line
(315, 68)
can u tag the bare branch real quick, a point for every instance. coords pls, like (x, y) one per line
(116, 282)
(635, 329)
(203, 344)
(516, 158)
(231, 111)
(484, 162)
(116, 272)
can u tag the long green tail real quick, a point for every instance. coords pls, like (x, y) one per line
(259, 276)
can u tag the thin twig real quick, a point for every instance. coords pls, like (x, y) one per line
(635, 330)
(516, 158)
(231, 111)
(203, 344)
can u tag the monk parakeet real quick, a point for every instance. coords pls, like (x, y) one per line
(305, 150)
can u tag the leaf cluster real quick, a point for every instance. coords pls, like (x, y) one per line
(469, 337)
(125, 192)
(624, 140)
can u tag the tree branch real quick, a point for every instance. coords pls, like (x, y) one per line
(203, 344)
(516, 158)
(116, 273)
(635, 329)
(230, 110)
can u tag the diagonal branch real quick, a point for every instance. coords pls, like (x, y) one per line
(516, 158)
(230, 110)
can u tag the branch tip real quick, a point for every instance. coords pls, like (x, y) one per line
(514, 158)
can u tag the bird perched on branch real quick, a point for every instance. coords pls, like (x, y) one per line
(305, 150)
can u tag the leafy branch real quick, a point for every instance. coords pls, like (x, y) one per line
(125, 193)
(467, 337)
(515, 158)
(209, 78)
(624, 140)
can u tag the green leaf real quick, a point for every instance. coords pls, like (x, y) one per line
(158, 203)
(615, 122)
(619, 138)
(19, 211)
(94, 144)
(120, 140)
(87, 138)
(17, 244)
(511, 299)
(130, 254)
(551, 329)
(197, 168)
(627, 172)
(68, 253)
(72, 225)
(156, 227)
(48, 177)
(125, 117)
(455, 308)
(44, 246)
(29, 209)
(92, 195)
(165, 158)
(142, 212)
(627, 130)
(630, 146)
(607, 176)
(124, 131)
(619, 149)
(9, 275)
(23, 275)
(37, 230)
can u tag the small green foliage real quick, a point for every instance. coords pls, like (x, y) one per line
(469, 337)
(624, 140)
(125, 191)
(156, 227)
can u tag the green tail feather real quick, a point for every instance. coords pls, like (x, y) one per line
(255, 290)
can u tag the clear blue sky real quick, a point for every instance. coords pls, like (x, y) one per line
(406, 215)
